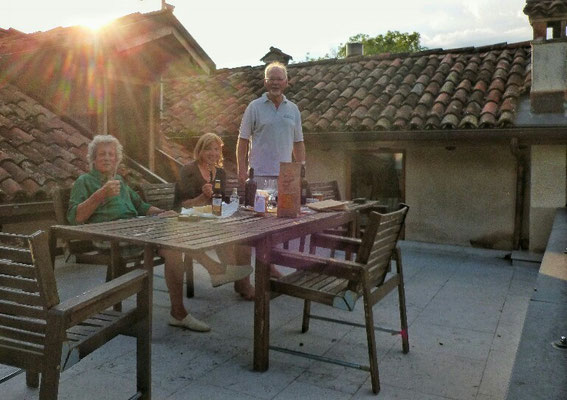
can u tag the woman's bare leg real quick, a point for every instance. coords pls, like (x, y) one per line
(238, 255)
(174, 281)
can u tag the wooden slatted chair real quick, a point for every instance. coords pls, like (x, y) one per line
(83, 250)
(339, 283)
(328, 190)
(162, 195)
(44, 336)
(231, 183)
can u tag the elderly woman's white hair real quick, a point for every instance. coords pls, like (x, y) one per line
(103, 139)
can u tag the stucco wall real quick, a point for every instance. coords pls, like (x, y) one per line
(464, 196)
(327, 165)
(548, 176)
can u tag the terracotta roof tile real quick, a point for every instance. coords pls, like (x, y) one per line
(487, 120)
(494, 95)
(396, 100)
(38, 150)
(374, 92)
(369, 100)
(506, 119)
(450, 121)
(432, 122)
(473, 108)
(427, 99)
(416, 123)
(461, 95)
(13, 189)
(469, 122)
(443, 98)
(545, 8)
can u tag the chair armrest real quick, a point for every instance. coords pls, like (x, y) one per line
(81, 307)
(330, 266)
(336, 242)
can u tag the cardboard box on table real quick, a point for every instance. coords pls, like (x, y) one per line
(289, 190)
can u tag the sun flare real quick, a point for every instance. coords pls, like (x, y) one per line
(94, 24)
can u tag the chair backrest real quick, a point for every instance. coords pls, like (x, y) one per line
(160, 195)
(232, 182)
(61, 204)
(27, 291)
(329, 190)
(379, 242)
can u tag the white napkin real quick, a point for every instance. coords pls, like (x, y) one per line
(227, 210)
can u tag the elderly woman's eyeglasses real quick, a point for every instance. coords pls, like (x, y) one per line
(276, 80)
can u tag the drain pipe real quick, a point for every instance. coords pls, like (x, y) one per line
(520, 189)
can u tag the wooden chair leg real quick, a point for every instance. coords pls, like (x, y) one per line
(302, 244)
(189, 279)
(402, 303)
(312, 248)
(306, 312)
(32, 378)
(51, 372)
(369, 323)
(115, 268)
(144, 342)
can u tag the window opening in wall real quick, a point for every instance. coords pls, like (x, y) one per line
(379, 175)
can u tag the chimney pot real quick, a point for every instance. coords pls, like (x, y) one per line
(354, 49)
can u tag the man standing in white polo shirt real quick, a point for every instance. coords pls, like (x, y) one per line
(270, 130)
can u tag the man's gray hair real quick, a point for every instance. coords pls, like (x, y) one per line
(103, 139)
(277, 65)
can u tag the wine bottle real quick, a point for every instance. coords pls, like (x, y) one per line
(250, 187)
(305, 192)
(217, 198)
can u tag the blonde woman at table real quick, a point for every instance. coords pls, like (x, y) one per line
(195, 188)
(102, 195)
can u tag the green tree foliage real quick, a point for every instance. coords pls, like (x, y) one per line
(391, 42)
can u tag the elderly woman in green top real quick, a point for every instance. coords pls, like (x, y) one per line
(101, 195)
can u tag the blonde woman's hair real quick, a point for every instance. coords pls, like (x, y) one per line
(103, 139)
(277, 65)
(204, 142)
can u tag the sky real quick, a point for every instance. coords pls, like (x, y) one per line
(238, 33)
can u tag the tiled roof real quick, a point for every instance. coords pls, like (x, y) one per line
(38, 150)
(436, 89)
(545, 8)
(114, 37)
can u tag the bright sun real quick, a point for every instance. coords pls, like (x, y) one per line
(93, 24)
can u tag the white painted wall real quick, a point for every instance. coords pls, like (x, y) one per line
(464, 196)
(548, 191)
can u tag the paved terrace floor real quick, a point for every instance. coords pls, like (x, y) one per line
(465, 310)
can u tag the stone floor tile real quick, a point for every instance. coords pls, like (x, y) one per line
(305, 391)
(237, 375)
(388, 392)
(464, 313)
(497, 374)
(202, 391)
(433, 373)
(425, 337)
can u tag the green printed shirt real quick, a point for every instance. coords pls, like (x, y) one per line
(128, 204)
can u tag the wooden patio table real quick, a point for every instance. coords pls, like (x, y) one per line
(259, 231)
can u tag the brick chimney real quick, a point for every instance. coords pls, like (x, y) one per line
(549, 55)
(276, 54)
